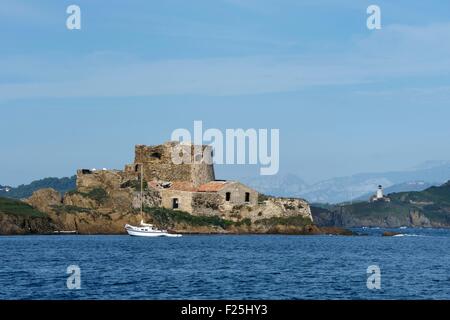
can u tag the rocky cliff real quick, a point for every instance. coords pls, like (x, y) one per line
(106, 210)
(345, 218)
(17, 217)
(105, 200)
(100, 211)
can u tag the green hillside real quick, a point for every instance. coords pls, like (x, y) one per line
(437, 195)
(24, 191)
(432, 204)
(18, 208)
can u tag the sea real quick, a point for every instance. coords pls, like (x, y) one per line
(414, 265)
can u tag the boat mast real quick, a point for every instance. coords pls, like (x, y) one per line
(142, 191)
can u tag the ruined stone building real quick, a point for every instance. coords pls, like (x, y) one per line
(105, 200)
(189, 187)
(158, 163)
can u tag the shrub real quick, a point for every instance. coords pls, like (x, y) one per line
(98, 194)
(134, 184)
(244, 222)
(262, 198)
(167, 218)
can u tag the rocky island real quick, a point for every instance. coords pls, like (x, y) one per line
(185, 198)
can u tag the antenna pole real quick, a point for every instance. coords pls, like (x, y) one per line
(142, 190)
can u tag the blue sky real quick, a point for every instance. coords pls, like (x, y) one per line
(346, 99)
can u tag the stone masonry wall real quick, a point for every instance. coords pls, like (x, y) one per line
(158, 164)
(237, 192)
(207, 203)
(184, 199)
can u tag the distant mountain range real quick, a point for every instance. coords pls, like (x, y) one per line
(356, 187)
(24, 191)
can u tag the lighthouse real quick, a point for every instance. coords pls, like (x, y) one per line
(380, 194)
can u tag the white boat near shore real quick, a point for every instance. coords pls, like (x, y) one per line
(148, 230)
(145, 229)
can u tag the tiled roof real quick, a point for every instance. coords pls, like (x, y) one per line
(213, 186)
(182, 186)
(153, 184)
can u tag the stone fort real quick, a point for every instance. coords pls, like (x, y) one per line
(158, 164)
(189, 187)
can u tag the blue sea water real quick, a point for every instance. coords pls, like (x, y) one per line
(415, 266)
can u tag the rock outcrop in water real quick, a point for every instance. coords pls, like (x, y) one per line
(17, 217)
(185, 198)
(106, 212)
(17, 224)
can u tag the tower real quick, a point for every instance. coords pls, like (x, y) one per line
(380, 194)
(158, 163)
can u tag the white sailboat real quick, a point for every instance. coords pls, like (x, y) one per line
(148, 230)
(145, 229)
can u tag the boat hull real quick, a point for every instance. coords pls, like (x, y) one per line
(150, 233)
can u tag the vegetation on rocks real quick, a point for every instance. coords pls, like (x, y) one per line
(167, 218)
(135, 185)
(97, 194)
(18, 208)
(262, 198)
(244, 222)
